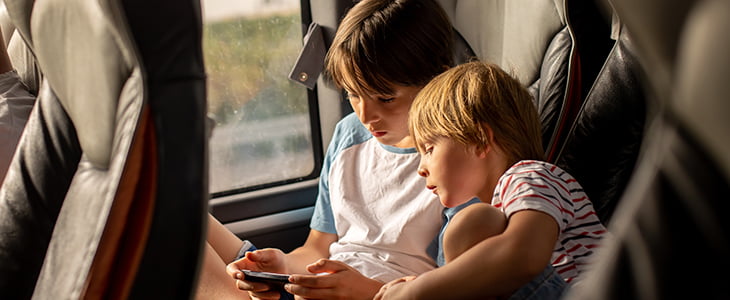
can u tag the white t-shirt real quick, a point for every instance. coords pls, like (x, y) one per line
(386, 221)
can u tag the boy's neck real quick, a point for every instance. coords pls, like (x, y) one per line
(405, 143)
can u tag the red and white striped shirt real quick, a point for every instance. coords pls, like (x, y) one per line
(544, 187)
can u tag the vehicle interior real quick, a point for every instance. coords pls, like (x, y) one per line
(150, 116)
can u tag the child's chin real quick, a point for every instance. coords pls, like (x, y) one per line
(449, 204)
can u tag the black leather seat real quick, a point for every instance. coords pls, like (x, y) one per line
(672, 238)
(603, 144)
(107, 194)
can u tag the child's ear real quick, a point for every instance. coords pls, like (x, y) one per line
(482, 150)
(489, 145)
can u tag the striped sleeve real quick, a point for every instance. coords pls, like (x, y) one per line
(545, 187)
(536, 189)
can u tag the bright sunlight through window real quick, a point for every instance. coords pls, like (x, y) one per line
(262, 133)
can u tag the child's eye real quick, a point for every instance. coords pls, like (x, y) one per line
(353, 97)
(386, 100)
(428, 150)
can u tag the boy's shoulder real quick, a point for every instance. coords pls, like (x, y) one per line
(539, 170)
(350, 131)
(350, 121)
(524, 165)
(536, 168)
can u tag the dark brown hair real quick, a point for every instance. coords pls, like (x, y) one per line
(385, 42)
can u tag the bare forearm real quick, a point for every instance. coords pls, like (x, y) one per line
(473, 275)
(317, 246)
(496, 266)
(223, 241)
(299, 258)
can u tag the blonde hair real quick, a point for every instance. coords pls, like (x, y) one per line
(461, 102)
(384, 42)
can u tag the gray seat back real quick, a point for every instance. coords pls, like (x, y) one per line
(109, 179)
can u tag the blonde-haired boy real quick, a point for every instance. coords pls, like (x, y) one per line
(478, 133)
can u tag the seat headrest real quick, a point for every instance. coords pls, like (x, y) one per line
(101, 58)
(19, 12)
(21, 56)
(6, 24)
(499, 31)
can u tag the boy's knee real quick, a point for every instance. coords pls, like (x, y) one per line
(470, 226)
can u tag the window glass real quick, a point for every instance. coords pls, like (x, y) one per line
(262, 133)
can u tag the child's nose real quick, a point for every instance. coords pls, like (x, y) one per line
(422, 171)
(368, 113)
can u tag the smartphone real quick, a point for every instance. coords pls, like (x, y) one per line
(274, 279)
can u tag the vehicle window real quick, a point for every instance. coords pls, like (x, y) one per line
(263, 132)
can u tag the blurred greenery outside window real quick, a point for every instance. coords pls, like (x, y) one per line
(262, 133)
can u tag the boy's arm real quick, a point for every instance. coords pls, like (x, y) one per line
(317, 246)
(496, 266)
(222, 241)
